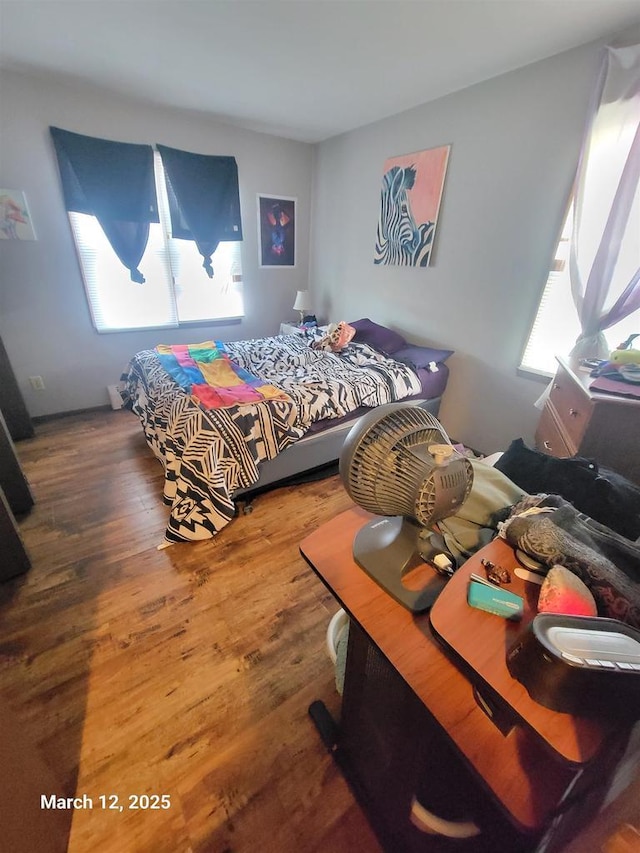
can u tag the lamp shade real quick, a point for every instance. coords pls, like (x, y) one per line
(302, 300)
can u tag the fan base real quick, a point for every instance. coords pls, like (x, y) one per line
(387, 549)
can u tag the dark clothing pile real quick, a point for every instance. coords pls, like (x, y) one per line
(602, 494)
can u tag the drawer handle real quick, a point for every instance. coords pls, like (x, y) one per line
(574, 413)
(547, 445)
(429, 822)
(556, 387)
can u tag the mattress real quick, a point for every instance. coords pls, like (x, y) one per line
(432, 387)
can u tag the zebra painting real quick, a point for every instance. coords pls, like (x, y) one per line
(409, 203)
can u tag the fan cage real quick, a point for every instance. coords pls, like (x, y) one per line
(443, 491)
(387, 469)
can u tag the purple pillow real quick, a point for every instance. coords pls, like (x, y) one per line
(379, 337)
(416, 356)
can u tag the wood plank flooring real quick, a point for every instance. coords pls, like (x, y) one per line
(184, 672)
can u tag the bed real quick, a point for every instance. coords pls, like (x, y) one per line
(218, 445)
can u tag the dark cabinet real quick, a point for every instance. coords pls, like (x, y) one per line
(15, 497)
(12, 403)
(417, 790)
(12, 479)
(14, 559)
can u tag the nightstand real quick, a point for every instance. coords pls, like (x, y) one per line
(578, 421)
(290, 329)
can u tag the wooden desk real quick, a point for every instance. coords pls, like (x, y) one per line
(480, 642)
(526, 772)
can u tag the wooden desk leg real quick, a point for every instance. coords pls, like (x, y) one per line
(329, 732)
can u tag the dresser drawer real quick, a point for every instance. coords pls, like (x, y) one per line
(549, 439)
(573, 407)
(578, 421)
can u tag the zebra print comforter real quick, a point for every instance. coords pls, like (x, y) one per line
(210, 454)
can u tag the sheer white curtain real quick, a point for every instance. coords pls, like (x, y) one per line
(604, 259)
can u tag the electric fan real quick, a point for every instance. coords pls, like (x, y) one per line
(398, 462)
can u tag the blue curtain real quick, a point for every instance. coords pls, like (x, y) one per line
(113, 181)
(204, 199)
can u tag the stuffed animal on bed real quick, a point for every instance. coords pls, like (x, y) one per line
(337, 337)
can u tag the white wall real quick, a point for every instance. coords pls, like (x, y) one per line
(44, 318)
(514, 145)
(514, 142)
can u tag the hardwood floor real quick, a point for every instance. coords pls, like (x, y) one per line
(184, 672)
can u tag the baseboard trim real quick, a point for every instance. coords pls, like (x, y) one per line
(55, 416)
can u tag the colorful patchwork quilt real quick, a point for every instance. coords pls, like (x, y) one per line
(214, 381)
(212, 443)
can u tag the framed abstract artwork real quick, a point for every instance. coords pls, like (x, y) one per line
(15, 221)
(276, 231)
(412, 186)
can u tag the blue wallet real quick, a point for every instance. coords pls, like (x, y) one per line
(494, 599)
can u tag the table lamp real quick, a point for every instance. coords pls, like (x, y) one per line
(302, 303)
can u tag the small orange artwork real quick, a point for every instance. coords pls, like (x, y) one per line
(15, 222)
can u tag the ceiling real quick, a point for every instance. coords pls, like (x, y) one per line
(303, 69)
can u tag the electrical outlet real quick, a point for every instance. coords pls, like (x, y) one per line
(37, 383)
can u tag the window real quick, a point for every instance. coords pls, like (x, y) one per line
(556, 326)
(177, 288)
(597, 261)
